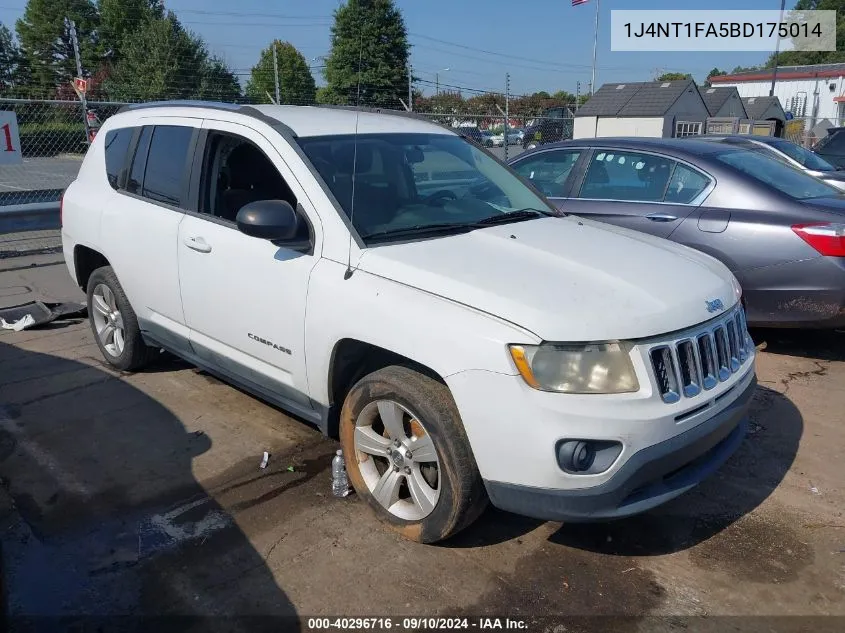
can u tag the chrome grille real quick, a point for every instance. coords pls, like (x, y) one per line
(707, 354)
(702, 359)
(664, 372)
(688, 364)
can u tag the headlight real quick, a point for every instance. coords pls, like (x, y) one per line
(582, 368)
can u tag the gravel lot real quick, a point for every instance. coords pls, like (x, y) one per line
(142, 494)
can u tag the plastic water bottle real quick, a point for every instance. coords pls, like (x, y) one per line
(340, 482)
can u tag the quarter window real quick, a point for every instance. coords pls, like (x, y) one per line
(548, 171)
(117, 146)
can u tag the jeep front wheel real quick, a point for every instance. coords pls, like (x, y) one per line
(407, 454)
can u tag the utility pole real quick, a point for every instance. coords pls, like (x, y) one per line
(71, 25)
(577, 94)
(276, 70)
(507, 111)
(777, 53)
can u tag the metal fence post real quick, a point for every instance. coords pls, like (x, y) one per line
(82, 97)
(507, 111)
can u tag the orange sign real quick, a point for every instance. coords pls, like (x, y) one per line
(80, 84)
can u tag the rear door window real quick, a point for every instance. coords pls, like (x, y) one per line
(686, 185)
(139, 162)
(117, 146)
(167, 162)
(625, 175)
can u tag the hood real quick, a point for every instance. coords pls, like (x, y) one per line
(564, 279)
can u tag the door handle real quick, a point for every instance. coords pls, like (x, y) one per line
(661, 217)
(197, 244)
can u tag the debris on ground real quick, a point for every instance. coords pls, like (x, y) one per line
(265, 460)
(291, 469)
(34, 314)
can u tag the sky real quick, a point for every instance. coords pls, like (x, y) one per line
(542, 44)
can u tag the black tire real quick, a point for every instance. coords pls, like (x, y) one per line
(462, 496)
(136, 354)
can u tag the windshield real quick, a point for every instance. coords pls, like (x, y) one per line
(785, 178)
(805, 157)
(418, 181)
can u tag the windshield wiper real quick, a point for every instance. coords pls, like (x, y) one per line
(421, 229)
(514, 216)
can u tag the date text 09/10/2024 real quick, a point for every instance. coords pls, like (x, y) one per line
(415, 623)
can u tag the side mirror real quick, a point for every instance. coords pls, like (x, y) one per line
(273, 220)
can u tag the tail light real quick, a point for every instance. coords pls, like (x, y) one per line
(827, 238)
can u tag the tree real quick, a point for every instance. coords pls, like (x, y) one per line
(118, 18)
(370, 49)
(714, 73)
(296, 84)
(10, 62)
(744, 69)
(161, 60)
(46, 43)
(673, 77)
(800, 58)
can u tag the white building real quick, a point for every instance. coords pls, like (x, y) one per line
(814, 92)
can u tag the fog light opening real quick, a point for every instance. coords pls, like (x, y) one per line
(577, 456)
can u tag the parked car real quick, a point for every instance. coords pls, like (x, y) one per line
(552, 126)
(832, 146)
(472, 133)
(780, 231)
(463, 340)
(788, 152)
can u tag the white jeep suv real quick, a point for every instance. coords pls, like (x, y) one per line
(390, 281)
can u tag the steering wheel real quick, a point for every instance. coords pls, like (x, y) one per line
(442, 194)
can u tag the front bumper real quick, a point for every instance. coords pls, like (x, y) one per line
(648, 478)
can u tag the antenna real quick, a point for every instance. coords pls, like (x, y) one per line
(349, 271)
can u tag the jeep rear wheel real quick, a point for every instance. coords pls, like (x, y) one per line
(114, 323)
(407, 454)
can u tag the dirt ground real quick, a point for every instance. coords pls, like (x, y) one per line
(142, 495)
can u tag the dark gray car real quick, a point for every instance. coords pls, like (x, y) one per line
(788, 152)
(780, 231)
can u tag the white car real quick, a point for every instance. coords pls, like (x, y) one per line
(463, 341)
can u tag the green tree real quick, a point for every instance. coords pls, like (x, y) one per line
(370, 49)
(218, 82)
(11, 69)
(161, 60)
(673, 77)
(744, 69)
(118, 18)
(800, 58)
(296, 84)
(46, 44)
(716, 72)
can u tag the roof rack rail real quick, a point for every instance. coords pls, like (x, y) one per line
(239, 108)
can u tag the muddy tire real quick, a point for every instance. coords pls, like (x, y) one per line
(114, 323)
(408, 456)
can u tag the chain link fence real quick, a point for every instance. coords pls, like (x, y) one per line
(53, 141)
